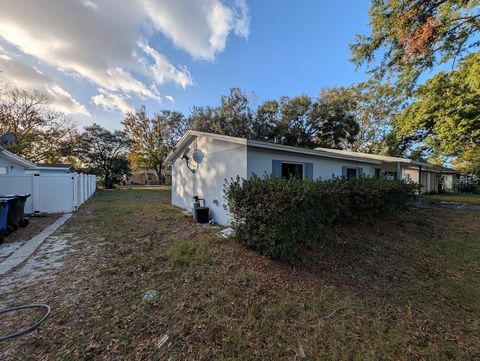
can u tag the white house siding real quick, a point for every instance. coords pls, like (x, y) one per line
(222, 160)
(10, 167)
(259, 162)
(412, 174)
(429, 181)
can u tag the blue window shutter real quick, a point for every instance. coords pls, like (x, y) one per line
(360, 172)
(277, 167)
(344, 172)
(309, 170)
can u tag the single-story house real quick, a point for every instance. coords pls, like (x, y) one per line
(149, 176)
(201, 162)
(54, 188)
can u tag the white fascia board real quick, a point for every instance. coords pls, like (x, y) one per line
(17, 159)
(189, 135)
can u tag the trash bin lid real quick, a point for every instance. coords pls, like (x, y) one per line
(7, 198)
(14, 195)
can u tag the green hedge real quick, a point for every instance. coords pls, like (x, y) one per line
(279, 217)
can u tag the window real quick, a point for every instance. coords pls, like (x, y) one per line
(3, 170)
(290, 170)
(377, 173)
(351, 173)
(391, 175)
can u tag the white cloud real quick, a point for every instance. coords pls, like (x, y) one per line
(163, 71)
(17, 73)
(109, 42)
(170, 99)
(112, 102)
(199, 27)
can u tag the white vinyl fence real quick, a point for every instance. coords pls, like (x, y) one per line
(50, 193)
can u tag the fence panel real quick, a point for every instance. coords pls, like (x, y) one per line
(55, 193)
(50, 193)
(16, 184)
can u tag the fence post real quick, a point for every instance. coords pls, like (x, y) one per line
(36, 192)
(74, 190)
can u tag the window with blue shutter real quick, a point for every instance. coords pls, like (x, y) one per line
(277, 167)
(344, 172)
(360, 172)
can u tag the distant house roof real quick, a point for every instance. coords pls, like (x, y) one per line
(319, 152)
(54, 165)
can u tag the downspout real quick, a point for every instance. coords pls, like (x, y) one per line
(420, 179)
(399, 171)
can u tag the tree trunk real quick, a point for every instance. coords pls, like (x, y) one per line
(158, 170)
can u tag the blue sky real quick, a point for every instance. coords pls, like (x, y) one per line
(100, 58)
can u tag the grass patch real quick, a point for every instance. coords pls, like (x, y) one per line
(468, 198)
(405, 289)
(185, 254)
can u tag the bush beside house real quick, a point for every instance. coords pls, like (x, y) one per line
(279, 217)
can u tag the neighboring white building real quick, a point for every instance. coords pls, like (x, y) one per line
(54, 188)
(150, 177)
(201, 162)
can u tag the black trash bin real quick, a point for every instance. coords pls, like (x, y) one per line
(16, 213)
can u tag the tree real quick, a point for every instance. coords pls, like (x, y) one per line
(306, 122)
(411, 36)
(444, 116)
(153, 138)
(298, 121)
(103, 153)
(339, 125)
(469, 161)
(41, 132)
(233, 117)
(374, 105)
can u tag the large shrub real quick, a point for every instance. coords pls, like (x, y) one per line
(279, 217)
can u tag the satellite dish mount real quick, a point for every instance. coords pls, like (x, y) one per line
(197, 155)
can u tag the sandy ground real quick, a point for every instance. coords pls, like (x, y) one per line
(39, 267)
(18, 238)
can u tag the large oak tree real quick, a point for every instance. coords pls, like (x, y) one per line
(104, 153)
(42, 133)
(444, 117)
(153, 137)
(410, 36)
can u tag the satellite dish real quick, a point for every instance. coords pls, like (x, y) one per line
(197, 155)
(8, 139)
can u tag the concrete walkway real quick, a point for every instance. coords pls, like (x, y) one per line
(30, 246)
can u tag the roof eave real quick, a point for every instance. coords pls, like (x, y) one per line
(190, 134)
(315, 153)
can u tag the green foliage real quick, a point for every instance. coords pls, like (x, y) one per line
(279, 217)
(233, 117)
(103, 153)
(409, 37)
(297, 121)
(153, 137)
(445, 114)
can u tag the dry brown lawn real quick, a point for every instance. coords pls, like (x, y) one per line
(405, 289)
